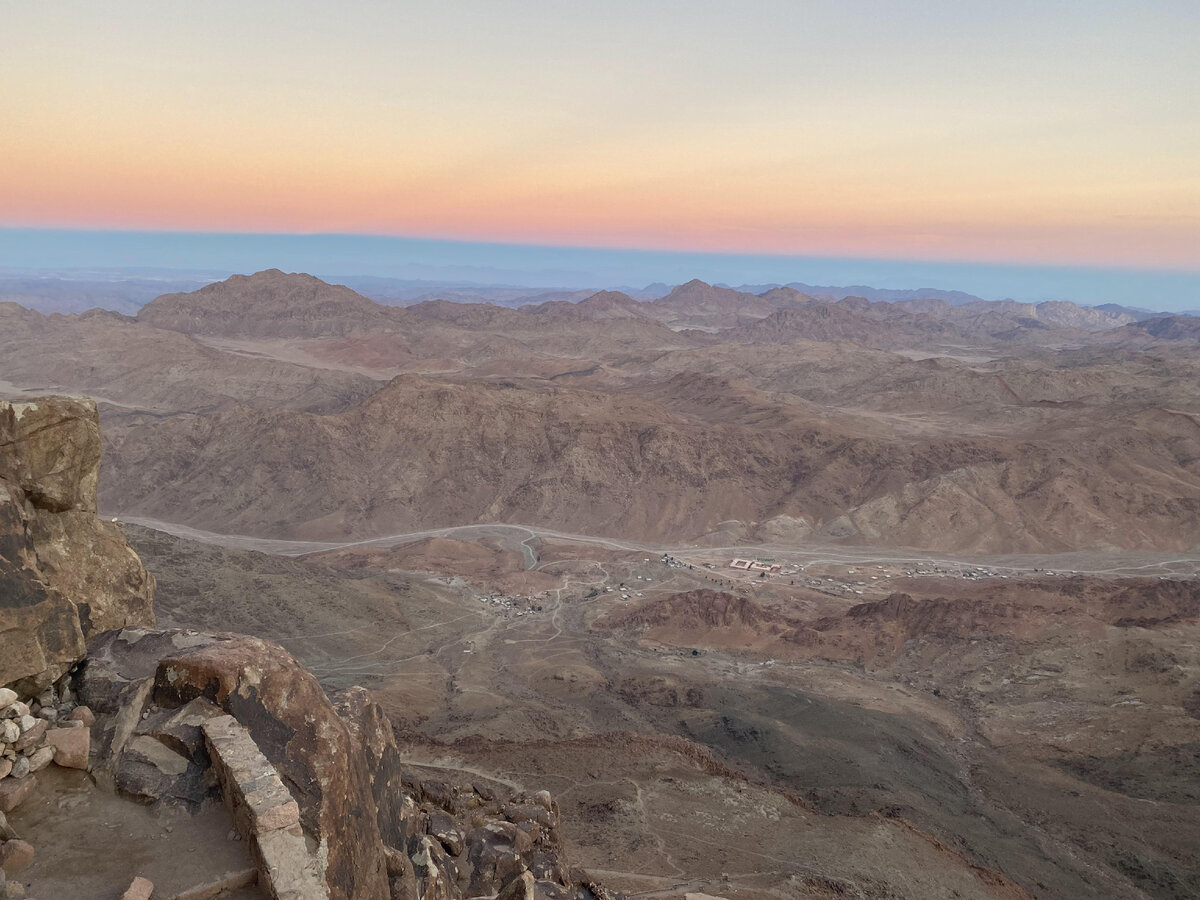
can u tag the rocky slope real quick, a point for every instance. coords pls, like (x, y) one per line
(1169, 328)
(382, 831)
(983, 431)
(133, 365)
(422, 453)
(911, 741)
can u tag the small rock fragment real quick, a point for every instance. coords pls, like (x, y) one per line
(15, 856)
(140, 889)
(32, 736)
(82, 714)
(41, 758)
(520, 888)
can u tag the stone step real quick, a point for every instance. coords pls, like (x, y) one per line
(264, 812)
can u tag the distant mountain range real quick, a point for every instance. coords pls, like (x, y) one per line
(279, 404)
(887, 295)
(126, 291)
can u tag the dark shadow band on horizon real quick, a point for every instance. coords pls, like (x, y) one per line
(542, 266)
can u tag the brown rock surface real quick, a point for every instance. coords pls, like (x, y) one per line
(64, 574)
(15, 856)
(13, 792)
(290, 719)
(71, 746)
(366, 722)
(32, 736)
(669, 462)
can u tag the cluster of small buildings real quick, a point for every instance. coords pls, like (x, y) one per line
(673, 563)
(522, 605)
(971, 573)
(755, 565)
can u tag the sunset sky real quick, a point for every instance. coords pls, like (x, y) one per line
(1023, 132)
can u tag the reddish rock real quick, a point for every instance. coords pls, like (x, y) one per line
(448, 831)
(14, 791)
(71, 746)
(15, 856)
(494, 852)
(289, 717)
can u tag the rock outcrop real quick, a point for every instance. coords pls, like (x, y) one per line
(64, 574)
(166, 699)
(147, 685)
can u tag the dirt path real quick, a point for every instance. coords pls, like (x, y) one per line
(1122, 562)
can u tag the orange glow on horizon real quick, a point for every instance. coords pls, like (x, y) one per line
(1027, 154)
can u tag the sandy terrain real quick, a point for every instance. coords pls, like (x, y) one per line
(1033, 737)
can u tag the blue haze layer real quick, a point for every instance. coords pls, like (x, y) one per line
(574, 267)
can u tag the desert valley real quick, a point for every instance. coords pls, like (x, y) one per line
(780, 595)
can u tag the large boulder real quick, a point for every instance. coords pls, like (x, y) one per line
(64, 574)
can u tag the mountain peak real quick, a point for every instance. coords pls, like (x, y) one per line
(269, 303)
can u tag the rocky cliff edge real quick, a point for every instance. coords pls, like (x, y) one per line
(64, 573)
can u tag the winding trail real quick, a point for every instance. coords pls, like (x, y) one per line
(1118, 562)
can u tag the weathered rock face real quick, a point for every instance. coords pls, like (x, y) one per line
(64, 574)
(140, 677)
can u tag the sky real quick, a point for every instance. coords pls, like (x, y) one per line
(1046, 137)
